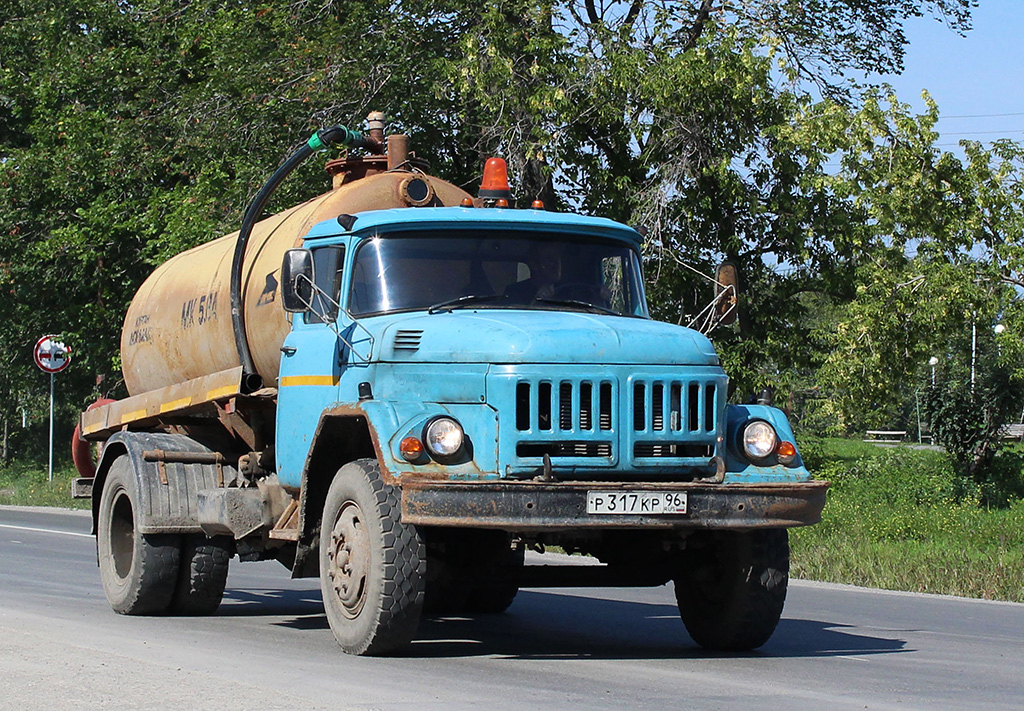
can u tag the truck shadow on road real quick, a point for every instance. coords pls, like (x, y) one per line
(258, 602)
(545, 625)
(550, 625)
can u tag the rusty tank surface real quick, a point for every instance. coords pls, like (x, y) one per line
(178, 326)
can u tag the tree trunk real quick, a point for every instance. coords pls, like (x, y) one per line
(537, 183)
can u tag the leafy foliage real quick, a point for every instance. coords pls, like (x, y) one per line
(969, 406)
(131, 132)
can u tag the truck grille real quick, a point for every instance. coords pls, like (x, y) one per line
(580, 418)
(564, 449)
(572, 406)
(650, 450)
(660, 406)
(572, 409)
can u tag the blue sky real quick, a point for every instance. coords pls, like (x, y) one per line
(976, 80)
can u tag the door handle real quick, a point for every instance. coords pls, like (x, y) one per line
(288, 350)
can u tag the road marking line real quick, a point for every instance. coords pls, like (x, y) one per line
(45, 530)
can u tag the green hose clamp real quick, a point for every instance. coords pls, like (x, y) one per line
(348, 137)
(314, 142)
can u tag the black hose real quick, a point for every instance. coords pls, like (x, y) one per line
(335, 135)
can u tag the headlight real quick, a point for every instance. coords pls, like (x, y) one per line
(443, 437)
(759, 439)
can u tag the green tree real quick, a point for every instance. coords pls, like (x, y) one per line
(132, 131)
(976, 394)
(941, 247)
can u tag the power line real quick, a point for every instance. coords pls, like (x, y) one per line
(974, 116)
(983, 133)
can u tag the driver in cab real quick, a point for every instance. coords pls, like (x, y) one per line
(545, 274)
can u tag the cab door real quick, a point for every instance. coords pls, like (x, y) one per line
(312, 363)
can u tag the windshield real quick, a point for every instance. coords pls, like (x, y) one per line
(492, 269)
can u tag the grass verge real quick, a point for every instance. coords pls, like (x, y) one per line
(26, 484)
(902, 519)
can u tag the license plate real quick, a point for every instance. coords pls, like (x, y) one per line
(636, 502)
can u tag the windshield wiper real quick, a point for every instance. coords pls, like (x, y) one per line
(579, 304)
(462, 301)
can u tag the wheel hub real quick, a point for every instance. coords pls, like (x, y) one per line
(348, 559)
(122, 534)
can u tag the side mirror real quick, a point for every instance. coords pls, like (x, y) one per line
(297, 280)
(727, 293)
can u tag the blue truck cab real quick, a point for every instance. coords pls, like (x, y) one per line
(514, 392)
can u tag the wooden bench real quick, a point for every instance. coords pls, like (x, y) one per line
(1012, 432)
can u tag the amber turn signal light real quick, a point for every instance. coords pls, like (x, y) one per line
(786, 452)
(411, 449)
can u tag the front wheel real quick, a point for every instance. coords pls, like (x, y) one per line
(471, 571)
(138, 571)
(372, 566)
(501, 566)
(731, 587)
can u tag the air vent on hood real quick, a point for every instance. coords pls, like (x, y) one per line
(407, 340)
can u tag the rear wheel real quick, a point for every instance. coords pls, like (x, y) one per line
(371, 564)
(139, 571)
(731, 587)
(203, 574)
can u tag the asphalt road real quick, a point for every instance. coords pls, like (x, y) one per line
(269, 647)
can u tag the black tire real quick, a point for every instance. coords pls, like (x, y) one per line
(202, 575)
(471, 571)
(372, 566)
(139, 572)
(446, 588)
(497, 582)
(731, 587)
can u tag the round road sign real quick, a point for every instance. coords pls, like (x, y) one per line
(51, 355)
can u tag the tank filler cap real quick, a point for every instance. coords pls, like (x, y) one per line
(375, 121)
(416, 192)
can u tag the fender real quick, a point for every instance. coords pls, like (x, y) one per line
(738, 464)
(167, 490)
(342, 435)
(81, 449)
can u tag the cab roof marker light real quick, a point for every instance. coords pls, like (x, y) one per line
(494, 185)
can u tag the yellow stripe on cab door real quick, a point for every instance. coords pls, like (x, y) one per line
(294, 380)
